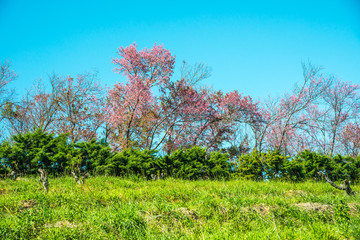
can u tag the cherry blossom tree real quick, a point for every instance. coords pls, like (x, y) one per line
(132, 107)
(284, 117)
(179, 101)
(150, 110)
(350, 139)
(342, 104)
(203, 117)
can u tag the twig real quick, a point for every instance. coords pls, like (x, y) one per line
(275, 227)
(112, 229)
(8, 211)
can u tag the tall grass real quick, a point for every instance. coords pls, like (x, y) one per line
(115, 208)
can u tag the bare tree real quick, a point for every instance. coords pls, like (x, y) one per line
(37, 109)
(6, 95)
(79, 103)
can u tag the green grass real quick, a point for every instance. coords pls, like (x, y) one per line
(115, 208)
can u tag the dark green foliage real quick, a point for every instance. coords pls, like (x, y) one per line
(346, 168)
(258, 166)
(219, 165)
(38, 149)
(196, 163)
(135, 162)
(251, 166)
(188, 164)
(306, 165)
(294, 170)
(274, 164)
(91, 156)
(315, 162)
(28, 152)
(353, 169)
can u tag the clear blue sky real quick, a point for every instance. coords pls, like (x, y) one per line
(255, 46)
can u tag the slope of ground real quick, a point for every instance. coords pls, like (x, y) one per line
(115, 208)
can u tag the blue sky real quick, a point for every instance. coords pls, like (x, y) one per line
(255, 47)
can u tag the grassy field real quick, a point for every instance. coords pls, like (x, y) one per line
(114, 208)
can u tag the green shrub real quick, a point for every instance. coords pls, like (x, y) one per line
(187, 164)
(306, 164)
(92, 155)
(294, 170)
(195, 163)
(251, 165)
(219, 165)
(257, 165)
(133, 161)
(25, 153)
(28, 152)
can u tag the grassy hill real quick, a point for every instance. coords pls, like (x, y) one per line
(115, 208)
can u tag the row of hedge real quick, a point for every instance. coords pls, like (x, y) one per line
(26, 153)
(304, 166)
